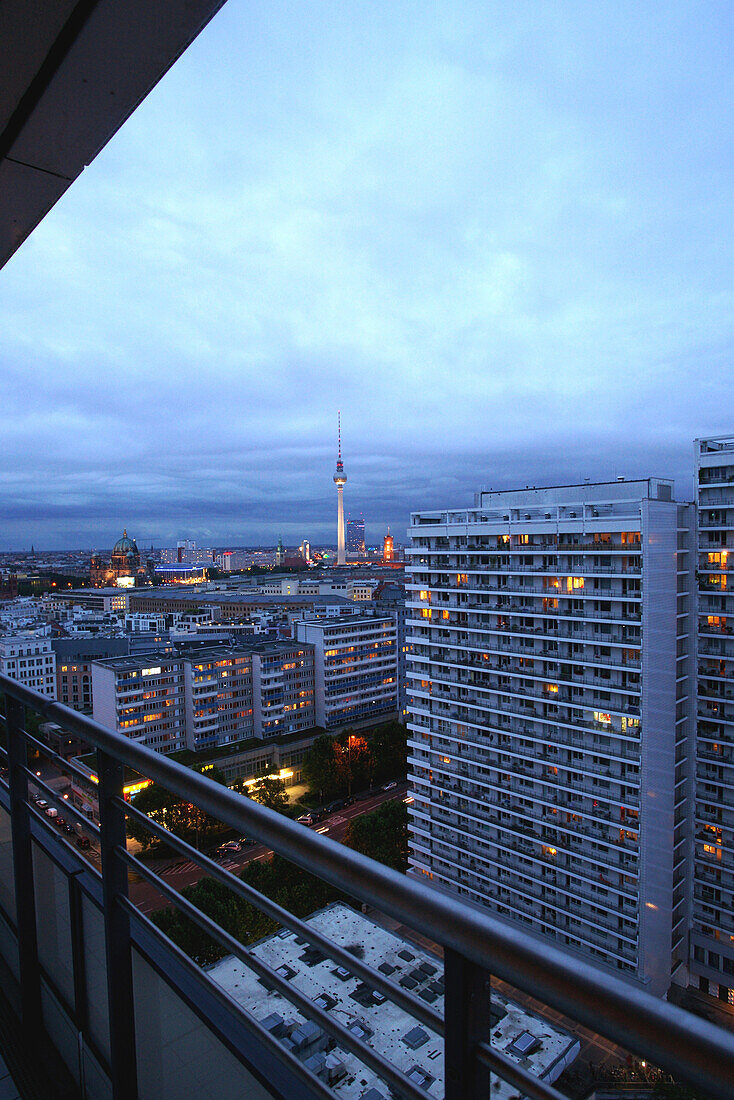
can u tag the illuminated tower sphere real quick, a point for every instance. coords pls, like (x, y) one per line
(340, 480)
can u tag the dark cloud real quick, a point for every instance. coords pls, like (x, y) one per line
(498, 238)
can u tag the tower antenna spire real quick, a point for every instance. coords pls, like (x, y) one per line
(339, 422)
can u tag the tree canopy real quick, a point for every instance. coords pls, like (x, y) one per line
(382, 835)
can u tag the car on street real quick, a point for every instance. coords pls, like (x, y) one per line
(229, 846)
(83, 841)
(390, 786)
(306, 819)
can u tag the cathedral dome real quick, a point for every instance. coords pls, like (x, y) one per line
(125, 545)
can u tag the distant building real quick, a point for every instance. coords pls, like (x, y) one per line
(186, 552)
(124, 563)
(94, 599)
(219, 699)
(280, 552)
(31, 661)
(389, 598)
(284, 687)
(74, 657)
(180, 574)
(356, 666)
(388, 548)
(143, 698)
(355, 536)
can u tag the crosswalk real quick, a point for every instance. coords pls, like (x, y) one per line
(188, 865)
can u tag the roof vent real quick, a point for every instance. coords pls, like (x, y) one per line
(415, 1038)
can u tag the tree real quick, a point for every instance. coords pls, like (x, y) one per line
(389, 751)
(270, 791)
(320, 768)
(353, 761)
(184, 819)
(382, 835)
(216, 901)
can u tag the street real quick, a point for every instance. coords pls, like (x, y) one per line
(184, 872)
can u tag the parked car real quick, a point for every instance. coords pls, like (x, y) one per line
(41, 803)
(83, 841)
(306, 819)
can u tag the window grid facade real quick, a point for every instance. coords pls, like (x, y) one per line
(712, 901)
(533, 743)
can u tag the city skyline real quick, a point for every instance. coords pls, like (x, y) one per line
(504, 250)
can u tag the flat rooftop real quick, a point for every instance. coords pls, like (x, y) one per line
(541, 1047)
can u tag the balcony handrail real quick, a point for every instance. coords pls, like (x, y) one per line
(687, 1046)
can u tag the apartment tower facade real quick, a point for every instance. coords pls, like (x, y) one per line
(712, 894)
(549, 715)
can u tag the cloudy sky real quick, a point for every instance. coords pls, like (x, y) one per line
(499, 237)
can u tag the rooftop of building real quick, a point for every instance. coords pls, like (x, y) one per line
(351, 622)
(527, 1038)
(138, 661)
(655, 488)
(247, 647)
(254, 597)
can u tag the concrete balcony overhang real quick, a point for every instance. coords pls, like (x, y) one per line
(74, 71)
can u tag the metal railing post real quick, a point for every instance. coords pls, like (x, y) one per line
(120, 995)
(25, 894)
(467, 1000)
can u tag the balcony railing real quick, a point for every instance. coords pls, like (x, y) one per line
(131, 1013)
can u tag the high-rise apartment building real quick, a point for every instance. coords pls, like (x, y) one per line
(712, 901)
(549, 680)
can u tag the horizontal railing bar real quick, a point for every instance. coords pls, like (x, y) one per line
(364, 1053)
(688, 1046)
(227, 1001)
(514, 1074)
(403, 998)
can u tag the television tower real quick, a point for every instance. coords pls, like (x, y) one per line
(340, 480)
